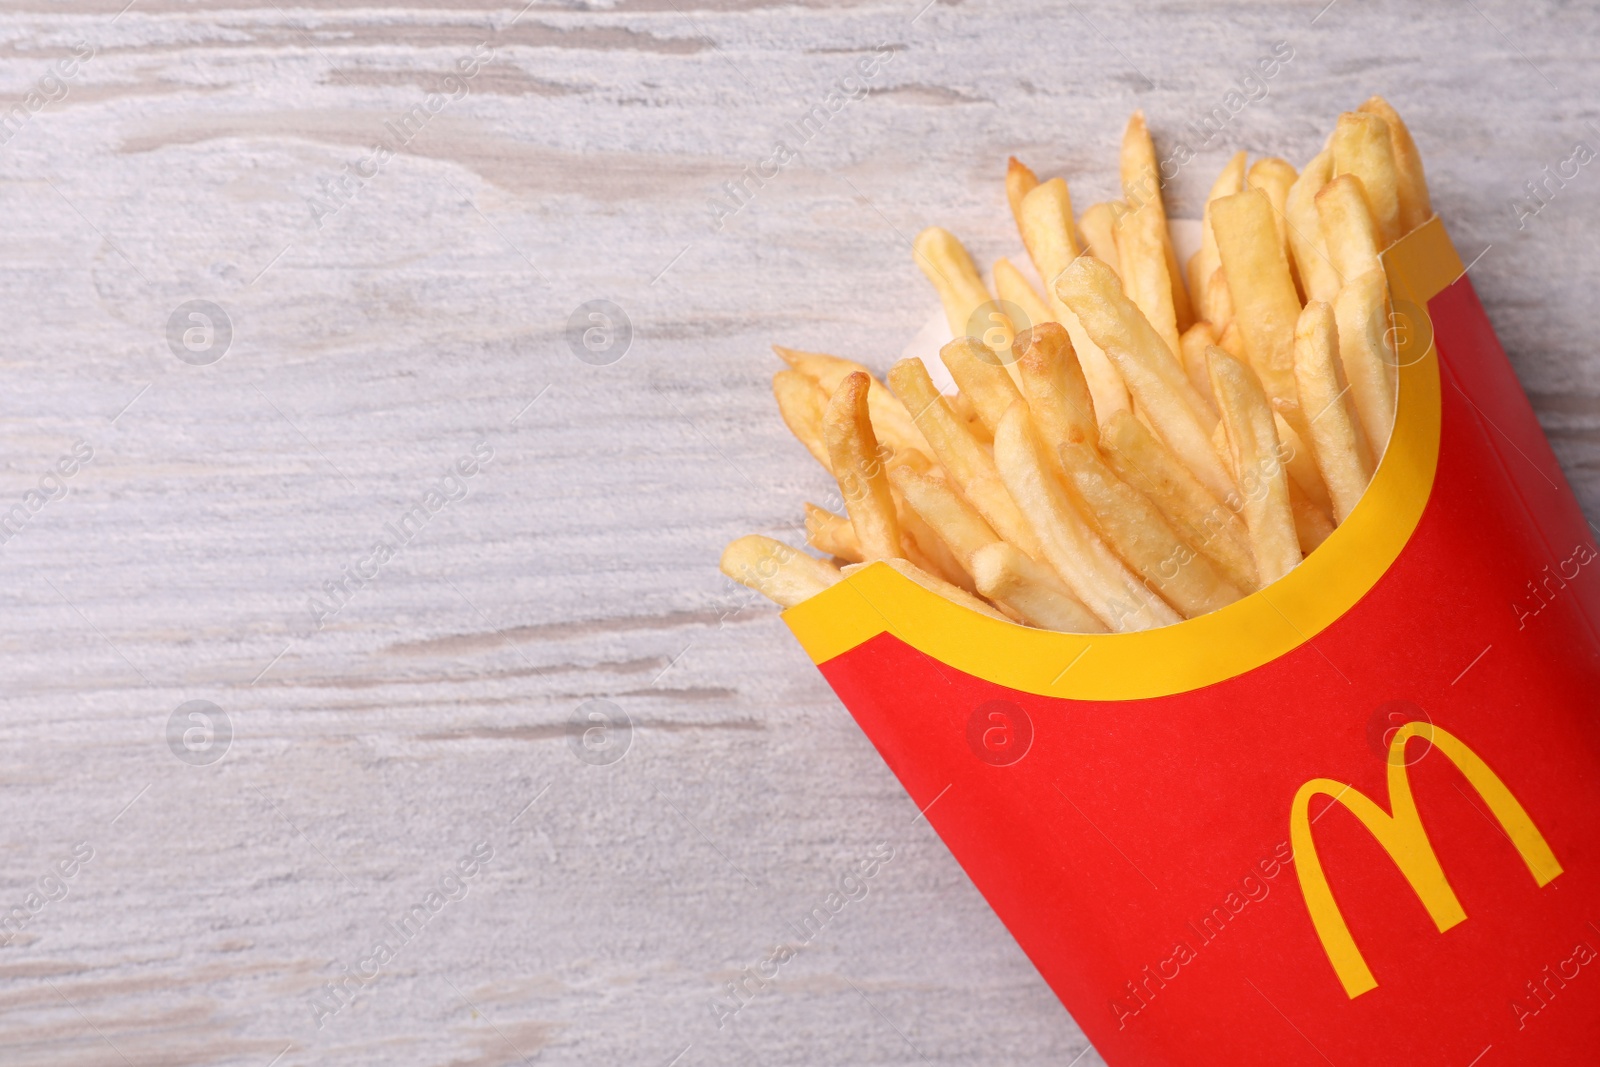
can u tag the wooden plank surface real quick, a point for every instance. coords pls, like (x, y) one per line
(390, 317)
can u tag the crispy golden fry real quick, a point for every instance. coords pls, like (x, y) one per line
(970, 467)
(1263, 482)
(1013, 287)
(934, 584)
(1348, 230)
(1297, 457)
(1046, 225)
(924, 547)
(981, 377)
(1098, 224)
(776, 571)
(859, 467)
(1337, 441)
(1053, 382)
(1207, 261)
(1192, 347)
(1200, 518)
(1020, 181)
(801, 402)
(1141, 188)
(1219, 302)
(1091, 570)
(890, 420)
(1362, 146)
(1311, 524)
(964, 410)
(833, 534)
(1275, 177)
(961, 290)
(945, 511)
(1166, 399)
(1233, 342)
(1265, 303)
(1318, 278)
(1412, 185)
(1362, 312)
(1140, 535)
(1031, 590)
(1141, 242)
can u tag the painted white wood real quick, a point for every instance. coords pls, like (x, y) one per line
(380, 333)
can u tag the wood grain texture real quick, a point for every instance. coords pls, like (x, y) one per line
(190, 159)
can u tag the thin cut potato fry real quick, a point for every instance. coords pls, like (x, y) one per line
(945, 511)
(969, 465)
(1013, 287)
(1263, 482)
(1275, 177)
(801, 402)
(833, 534)
(859, 468)
(1312, 526)
(934, 584)
(962, 407)
(981, 378)
(1362, 146)
(1233, 342)
(1297, 457)
(1203, 521)
(1192, 348)
(1173, 408)
(1091, 570)
(948, 266)
(1219, 302)
(1265, 303)
(924, 547)
(1412, 184)
(1337, 441)
(777, 571)
(1348, 229)
(1318, 278)
(1369, 363)
(1208, 261)
(1046, 225)
(1141, 188)
(1141, 242)
(1031, 590)
(890, 420)
(1098, 224)
(1053, 382)
(1140, 535)
(1020, 181)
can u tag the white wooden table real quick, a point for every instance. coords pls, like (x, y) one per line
(383, 328)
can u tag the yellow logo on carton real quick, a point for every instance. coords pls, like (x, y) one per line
(1402, 836)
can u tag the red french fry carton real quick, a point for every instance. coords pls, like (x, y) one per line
(1353, 818)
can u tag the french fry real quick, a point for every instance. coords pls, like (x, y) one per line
(1140, 535)
(961, 291)
(1265, 303)
(859, 468)
(1348, 229)
(962, 407)
(1362, 146)
(1412, 184)
(969, 465)
(1362, 314)
(1098, 224)
(1014, 288)
(777, 571)
(890, 420)
(1337, 441)
(1053, 383)
(924, 547)
(1276, 177)
(1203, 521)
(1141, 188)
(1312, 526)
(1046, 227)
(833, 534)
(801, 402)
(1219, 302)
(1297, 457)
(1207, 261)
(1031, 590)
(1263, 482)
(1233, 343)
(981, 378)
(1020, 181)
(934, 584)
(1090, 569)
(1175, 411)
(945, 511)
(1142, 244)
(1192, 348)
(1318, 278)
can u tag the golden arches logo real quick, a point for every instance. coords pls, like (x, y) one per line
(1402, 836)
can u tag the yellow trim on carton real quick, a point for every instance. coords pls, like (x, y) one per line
(1213, 647)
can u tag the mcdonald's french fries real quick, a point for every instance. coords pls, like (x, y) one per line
(1129, 444)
